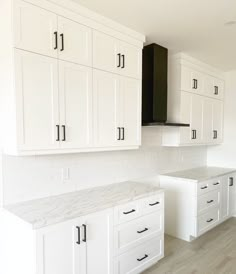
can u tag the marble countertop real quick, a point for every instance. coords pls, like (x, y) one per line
(201, 173)
(48, 211)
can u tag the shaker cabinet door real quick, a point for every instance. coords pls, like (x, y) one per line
(37, 101)
(75, 89)
(35, 29)
(74, 42)
(106, 106)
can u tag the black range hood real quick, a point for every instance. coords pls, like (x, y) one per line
(154, 86)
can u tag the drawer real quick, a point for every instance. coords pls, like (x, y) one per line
(203, 187)
(152, 204)
(138, 230)
(208, 201)
(141, 257)
(208, 220)
(127, 212)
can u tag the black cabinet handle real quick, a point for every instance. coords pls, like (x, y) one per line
(62, 41)
(128, 212)
(215, 184)
(215, 134)
(194, 134)
(211, 201)
(196, 84)
(210, 220)
(118, 134)
(58, 133)
(56, 45)
(216, 90)
(204, 187)
(64, 133)
(123, 133)
(142, 258)
(157, 203)
(141, 231)
(78, 229)
(119, 60)
(123, 61)
(231, 181)
(85, 233)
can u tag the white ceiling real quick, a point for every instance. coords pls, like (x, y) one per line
(196, 27)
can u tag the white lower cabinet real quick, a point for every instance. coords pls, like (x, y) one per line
(80, 246)
(101, 242)
(193, 208)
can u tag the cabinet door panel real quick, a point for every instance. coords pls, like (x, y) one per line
(196, 117)
(99, 247)
(37, 100)
(131, 111)
(34, 29)
(75, 105)
(225, 198)
(106, 108)
(207, 120)
(232, 195)
(218, 121)
(105, 52)
(131, 60)
(185, 117)
(76, 43)
(58, 250)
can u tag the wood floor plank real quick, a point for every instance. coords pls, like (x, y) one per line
(212, 253)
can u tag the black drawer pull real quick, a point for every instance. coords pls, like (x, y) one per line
(141, 231)
(142, 258)
(215, 184)
(204, 187)
(231, 181)
(211, 201)
(210, 220)
(128, 212)
(156, 203)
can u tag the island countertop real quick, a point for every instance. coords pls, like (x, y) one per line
(200, 174)
(48, 211)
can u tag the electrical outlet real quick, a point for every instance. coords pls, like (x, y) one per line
(65, 174)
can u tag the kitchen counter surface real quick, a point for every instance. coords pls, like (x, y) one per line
(201, 173)
(48, 211)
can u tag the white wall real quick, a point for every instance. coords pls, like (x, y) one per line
(225, 155)
(26, 178)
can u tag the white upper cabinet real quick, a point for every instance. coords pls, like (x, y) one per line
(74, 42)
(112, 55)
(217, 130)
(74, 84)
(195, 97)
(130, 60)
(75, 90)
(191, 80)
(35, 29)
(105, 52)
(130, 112)
(36, 101)
(106, 105)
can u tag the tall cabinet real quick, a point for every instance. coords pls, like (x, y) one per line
(76, 83)
(196, 97)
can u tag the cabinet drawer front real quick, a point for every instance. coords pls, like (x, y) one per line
(152, 204)
(208, 200)
(208, 220)
(203, 187)
(138, 230)
(140, 258)
(215, 184)
(127, 212)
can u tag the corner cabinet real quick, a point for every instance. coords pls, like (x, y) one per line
(197, 98)
(73, 85)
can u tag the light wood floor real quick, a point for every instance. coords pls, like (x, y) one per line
(212, 253)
